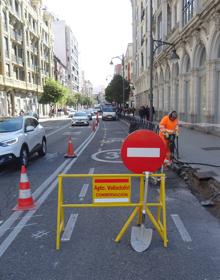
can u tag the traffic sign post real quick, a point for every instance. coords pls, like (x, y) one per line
(143, 150)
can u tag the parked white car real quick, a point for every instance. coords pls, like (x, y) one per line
(80, 118)
(20, 137)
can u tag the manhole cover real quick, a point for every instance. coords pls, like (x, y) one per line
(211, 148)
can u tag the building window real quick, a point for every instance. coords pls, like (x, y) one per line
(6, 47)
(168, 18)
(188, 7)
(159, 27)
(5, 20)
(29, 77)
(7, 70)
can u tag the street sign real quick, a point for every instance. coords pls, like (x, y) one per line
(111, 189)
(143, 150)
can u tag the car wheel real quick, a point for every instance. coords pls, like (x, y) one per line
(23, 160)
(43, 150)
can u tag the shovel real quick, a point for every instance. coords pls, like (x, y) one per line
(140, 236)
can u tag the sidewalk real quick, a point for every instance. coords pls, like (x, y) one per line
(197, 146)
(200, 147)
(47, 118)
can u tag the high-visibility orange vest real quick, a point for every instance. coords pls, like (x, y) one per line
(167, 125)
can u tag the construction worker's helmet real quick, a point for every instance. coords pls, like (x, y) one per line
(173, 115)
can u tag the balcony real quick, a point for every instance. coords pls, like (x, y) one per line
(17, 60)
(12, 82)
(15, 13)
(15, 36)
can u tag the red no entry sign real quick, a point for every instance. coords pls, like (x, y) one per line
(143, 150)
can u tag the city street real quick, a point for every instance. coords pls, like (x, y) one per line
(28, 239)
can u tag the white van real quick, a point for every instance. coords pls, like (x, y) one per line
(109, 113)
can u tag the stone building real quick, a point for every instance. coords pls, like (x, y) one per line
(192, 84)
(66, 49)
(26, 55)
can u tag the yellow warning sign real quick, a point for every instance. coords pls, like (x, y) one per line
(111, 190)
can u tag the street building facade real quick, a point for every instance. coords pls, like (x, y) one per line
(26, 55)
(86, 86)
(60, 71)
(128, 72)
(66, 50)
(191, 85)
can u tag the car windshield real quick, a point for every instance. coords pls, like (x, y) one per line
(10, 125)
(80, 114)
(108, 109)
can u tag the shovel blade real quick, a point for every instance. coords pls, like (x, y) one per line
(141, 238)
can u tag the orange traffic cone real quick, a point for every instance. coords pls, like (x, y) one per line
(70, 153)
(25, 200)
(97, 118)
(93, 126)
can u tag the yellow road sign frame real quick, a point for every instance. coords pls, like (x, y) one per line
(158, 220)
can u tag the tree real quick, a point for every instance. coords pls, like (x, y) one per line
(53, 92)
(114, 91)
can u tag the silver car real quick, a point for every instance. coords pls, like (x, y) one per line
(80, 118)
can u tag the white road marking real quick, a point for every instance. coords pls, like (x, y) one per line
(27, 225)
(181, 228)
(39, 234)
(143, 152)
(69, 227)
(49, 188)
(110, 154)
(91, 170)
(52, 133)
(83, 191)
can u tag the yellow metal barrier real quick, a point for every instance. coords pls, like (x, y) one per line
(159, 222)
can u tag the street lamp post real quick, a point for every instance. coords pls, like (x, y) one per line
(154, 45)
(122, 58)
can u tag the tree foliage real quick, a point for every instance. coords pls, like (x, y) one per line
(53, 93)
(114, 91)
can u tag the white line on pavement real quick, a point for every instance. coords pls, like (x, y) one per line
(10, 238)
(69, 227)
(181, 228)
(91, 170)
(52, 133)
(83, 191)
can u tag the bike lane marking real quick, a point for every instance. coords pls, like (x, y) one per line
(107, 156)
(69, 227)
(181, 228)
(66, 166)
(61, 128)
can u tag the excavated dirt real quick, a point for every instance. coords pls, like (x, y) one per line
(206, 190)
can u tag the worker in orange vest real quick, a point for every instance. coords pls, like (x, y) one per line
(169, 127)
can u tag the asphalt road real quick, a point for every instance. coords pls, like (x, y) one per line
(27, 239)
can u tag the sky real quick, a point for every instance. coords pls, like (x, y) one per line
(103, 28)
